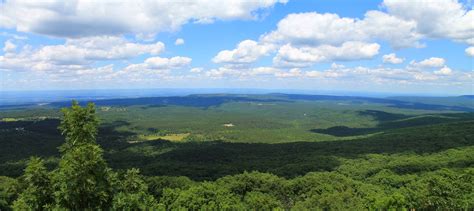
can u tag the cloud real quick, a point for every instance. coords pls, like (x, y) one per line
(425, 77)
(263, 71)
(398, 32)
(310, 37)
(337, 66)
(444, 71)
(443, 19)
(151, 68)
(196, 70)
(76, 53)
(403, 25)
(294, 72)
(339, 74)
(470, 51)
(324, 74)
(14, 36)
(247, 51)
(221, 72)
(242, 72)
(179, 41)
(142, 17)
(289, 55)
(167, 63)
(392, 59)
(87, 50)
(313, 28)
(80, 59)
(432, 62)
(99, 71)
(9, 47)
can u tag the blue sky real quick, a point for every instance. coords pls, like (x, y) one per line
(395, 46)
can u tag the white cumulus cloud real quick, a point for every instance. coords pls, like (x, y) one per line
(9, 47)
(141, 17)
(247, 51)
(289, 55)
(392, 59)
(401, 23)
(440, 19)
(81, 56)
(179, 41)
(196, 70)
(444, 71)
(429, 63)
(315, 29)
(470, 51)
(167, 63)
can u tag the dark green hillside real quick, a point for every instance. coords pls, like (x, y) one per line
(206, 160)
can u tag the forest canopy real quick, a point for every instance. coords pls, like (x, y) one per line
(83, 180)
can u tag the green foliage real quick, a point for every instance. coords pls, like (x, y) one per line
(157, 184)
(261, 201)
(133, 193)
(331, 191)
(38, 193)
(206, 196)
(442, 189)
(82, 179)
(242, 184)
(79, 125)
(9, 189)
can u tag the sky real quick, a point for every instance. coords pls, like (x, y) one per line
(391, 46)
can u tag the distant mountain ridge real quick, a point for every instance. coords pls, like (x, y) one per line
(460, 103)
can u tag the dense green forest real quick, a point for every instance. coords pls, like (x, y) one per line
(292, 152)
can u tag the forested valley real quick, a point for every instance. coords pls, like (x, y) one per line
(406, 161)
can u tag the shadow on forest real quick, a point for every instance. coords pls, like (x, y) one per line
(390, 102)
(214, 159)
(19, 140)
(211, 160)
(389, 121)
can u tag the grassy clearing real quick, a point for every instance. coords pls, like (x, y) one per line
(169, 137)
(9, 120)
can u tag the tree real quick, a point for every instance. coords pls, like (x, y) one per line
(255, 181)
(8, 192)
(82, 180)
(262, 201)
(330, 191)
(37, 195)
(157, 184)
(205, 196)
(133, 193)
(79, 125)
